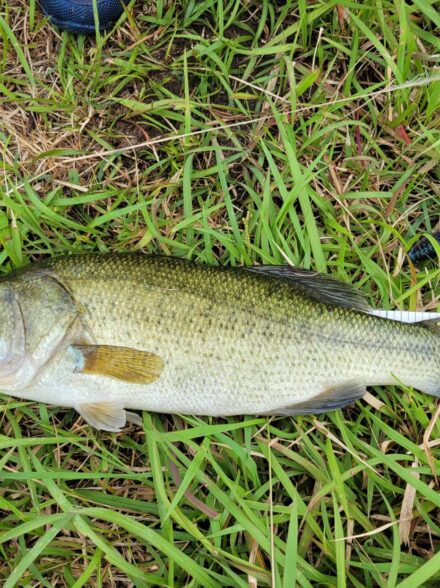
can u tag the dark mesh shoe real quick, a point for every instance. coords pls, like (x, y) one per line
(77, 15)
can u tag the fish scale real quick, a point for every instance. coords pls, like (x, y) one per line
(164, 334)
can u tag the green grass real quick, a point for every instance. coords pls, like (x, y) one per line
(226, 132)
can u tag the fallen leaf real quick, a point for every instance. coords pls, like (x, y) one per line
(406, 513)
(402, 134)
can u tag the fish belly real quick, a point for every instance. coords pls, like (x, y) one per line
(202, 384)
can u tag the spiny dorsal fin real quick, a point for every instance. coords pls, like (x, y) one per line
(331, 398)
(122, 363)
(320, 287)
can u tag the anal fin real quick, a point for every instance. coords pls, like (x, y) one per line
(331, 398)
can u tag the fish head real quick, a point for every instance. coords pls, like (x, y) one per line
(37, 318)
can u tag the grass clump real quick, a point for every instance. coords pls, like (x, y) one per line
(226, 132)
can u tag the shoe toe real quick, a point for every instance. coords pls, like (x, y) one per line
(77, 15)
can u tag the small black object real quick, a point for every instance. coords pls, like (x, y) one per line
(423, 249)
(77, 15)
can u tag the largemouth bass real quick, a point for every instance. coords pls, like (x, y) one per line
(107, 332)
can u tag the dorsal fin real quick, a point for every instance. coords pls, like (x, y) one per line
(320, 287)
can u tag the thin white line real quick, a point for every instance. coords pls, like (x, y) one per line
(406, 316)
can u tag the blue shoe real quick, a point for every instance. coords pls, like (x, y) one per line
(77, 15)
(423, 249)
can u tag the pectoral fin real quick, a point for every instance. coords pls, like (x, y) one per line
(331, 398)
(105, 416)
(122, 363)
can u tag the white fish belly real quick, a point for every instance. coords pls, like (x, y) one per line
(214, 388)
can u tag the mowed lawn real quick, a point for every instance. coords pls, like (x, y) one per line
(226, 132)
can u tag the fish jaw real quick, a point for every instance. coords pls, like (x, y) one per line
(34, 364)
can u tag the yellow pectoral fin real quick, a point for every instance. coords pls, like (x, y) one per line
(122, 363)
